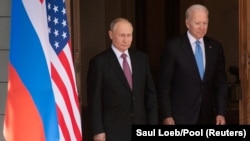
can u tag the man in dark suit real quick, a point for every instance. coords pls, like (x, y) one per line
(188, 96)
(114, 103)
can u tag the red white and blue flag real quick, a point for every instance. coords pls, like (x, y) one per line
(42, 101)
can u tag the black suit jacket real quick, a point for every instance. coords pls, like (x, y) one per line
(183, 95)
(113, 107)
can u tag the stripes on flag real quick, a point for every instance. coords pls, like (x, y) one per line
(42, 101)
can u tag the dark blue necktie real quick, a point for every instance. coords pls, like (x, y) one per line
(199, 58)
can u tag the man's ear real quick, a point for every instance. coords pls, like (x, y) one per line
(110, 34)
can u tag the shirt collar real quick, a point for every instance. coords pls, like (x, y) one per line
(119, 53)
(192, 39)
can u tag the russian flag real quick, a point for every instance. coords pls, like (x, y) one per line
(42, 101)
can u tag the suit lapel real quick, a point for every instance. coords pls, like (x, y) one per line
(115, 65)
(209, 54)
(189, 56)
(134, 65)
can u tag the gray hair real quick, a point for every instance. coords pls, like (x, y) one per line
(195, 7)
(115, 21)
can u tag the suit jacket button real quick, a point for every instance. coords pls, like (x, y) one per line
(132, 114)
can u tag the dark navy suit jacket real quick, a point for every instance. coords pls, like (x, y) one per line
(113, 106)
(183, 95)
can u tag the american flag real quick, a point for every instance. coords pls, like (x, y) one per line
(42, 102)
(58, 25)
(63, 82)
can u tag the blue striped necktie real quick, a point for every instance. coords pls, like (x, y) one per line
(199, 58)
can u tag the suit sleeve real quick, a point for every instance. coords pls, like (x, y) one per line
(151, 98)
(221, 84)
(94, 84)
(165, 77)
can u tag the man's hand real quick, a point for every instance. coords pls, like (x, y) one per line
(100, 137)
(168, 121)
(220, 120)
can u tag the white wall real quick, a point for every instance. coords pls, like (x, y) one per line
(4, 54)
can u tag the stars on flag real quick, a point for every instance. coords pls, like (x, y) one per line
(57, 25)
